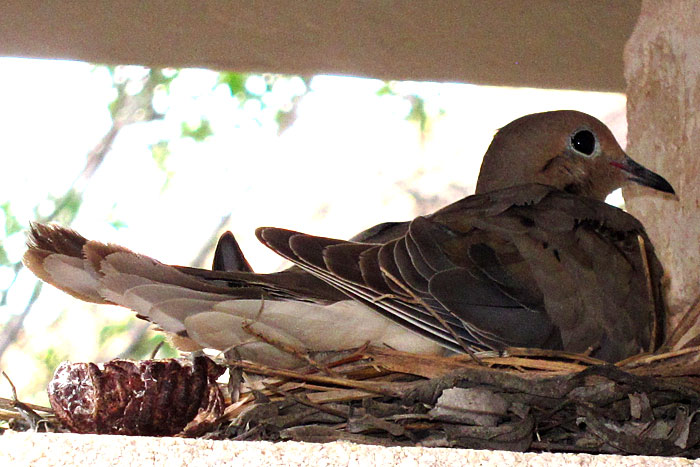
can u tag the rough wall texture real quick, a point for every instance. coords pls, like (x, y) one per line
(662, 68)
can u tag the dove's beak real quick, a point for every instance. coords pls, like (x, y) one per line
(637, 173)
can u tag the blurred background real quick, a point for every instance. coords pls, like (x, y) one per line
(165, 160)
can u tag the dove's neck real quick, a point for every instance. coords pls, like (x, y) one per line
(561, 172)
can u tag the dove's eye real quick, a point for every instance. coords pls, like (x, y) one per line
(583, 141)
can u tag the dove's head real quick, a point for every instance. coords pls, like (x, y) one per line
(566, 149)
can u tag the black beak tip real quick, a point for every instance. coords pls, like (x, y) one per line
(643, 176)
(665, 187)
(655, 182)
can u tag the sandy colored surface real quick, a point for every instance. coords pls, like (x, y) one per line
(40, 449)
(663, 98)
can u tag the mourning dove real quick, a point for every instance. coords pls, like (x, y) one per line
(534, 259)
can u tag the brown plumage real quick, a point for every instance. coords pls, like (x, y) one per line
(536, 258)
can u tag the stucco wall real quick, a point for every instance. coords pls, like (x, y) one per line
(662, 68)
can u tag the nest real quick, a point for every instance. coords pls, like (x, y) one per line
(526, 400)
(521, 399)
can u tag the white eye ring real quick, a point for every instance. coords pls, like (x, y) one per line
(584, 142)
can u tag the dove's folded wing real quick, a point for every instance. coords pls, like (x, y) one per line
(524, 266)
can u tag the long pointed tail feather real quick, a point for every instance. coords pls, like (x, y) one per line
(212, 309)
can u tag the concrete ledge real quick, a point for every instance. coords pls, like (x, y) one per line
(575, 44)
(38, 449)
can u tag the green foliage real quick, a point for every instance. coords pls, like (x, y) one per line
(386, 90)
(198, 133)
(166, 350)
(417, 113)
(111, 330)
(235, 83)
(12, 225)
(284, 120)
(129, 105)
(4, 260)
(144, 342)
(51, 358)
(160, 153)
(67, 207)
(145, 347)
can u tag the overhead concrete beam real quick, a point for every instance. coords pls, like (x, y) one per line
(575, 44)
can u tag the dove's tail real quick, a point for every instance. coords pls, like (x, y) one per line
(94, 271)
(235, 311)
(185, 307)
